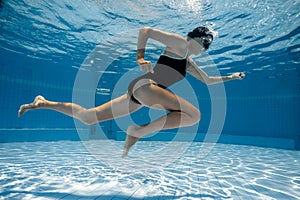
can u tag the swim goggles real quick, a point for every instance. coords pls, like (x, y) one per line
(205, 41)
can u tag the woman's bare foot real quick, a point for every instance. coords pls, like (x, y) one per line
(38, 101)
(130, 140)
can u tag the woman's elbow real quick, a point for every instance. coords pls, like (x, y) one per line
(145, 30)
(208, 81)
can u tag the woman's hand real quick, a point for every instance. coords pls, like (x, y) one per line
(145, 66)
(238, 75)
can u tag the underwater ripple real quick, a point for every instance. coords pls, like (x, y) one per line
(252, 35)
(67, 170)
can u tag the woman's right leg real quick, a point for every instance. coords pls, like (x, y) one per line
(181, 113)
(113, 109)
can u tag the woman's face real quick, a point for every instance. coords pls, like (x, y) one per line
(202, 43)
(205, 41)
(197, 46)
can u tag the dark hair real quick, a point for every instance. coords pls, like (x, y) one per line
(202, 31)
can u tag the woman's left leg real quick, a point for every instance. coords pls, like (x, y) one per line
(113, 109)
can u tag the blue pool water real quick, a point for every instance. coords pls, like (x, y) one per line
(45, 43)
(246, 145)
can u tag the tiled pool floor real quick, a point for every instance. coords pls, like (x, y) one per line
(67, 170)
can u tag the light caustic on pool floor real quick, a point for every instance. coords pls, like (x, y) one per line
(66, 170)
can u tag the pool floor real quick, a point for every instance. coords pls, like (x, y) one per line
(74, 170)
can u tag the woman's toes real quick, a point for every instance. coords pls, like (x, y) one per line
(38, 101)
(130, 140)
(22, 110)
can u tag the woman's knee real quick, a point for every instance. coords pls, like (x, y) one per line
(195, 116)
(87, 117)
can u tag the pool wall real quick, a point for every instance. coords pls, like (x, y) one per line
(263, 112)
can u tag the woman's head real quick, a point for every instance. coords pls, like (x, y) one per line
(203, 35)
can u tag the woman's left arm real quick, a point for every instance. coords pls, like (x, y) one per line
(198, 73)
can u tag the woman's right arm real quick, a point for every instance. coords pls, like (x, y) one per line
(169, 39)
(145, 65)
(141, 45)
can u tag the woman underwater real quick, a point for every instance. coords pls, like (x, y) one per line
(150, 89)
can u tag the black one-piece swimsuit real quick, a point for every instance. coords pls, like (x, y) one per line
(166, 72)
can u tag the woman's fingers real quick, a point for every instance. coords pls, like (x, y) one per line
(239, 75)
(242, 75)
(146, 67)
